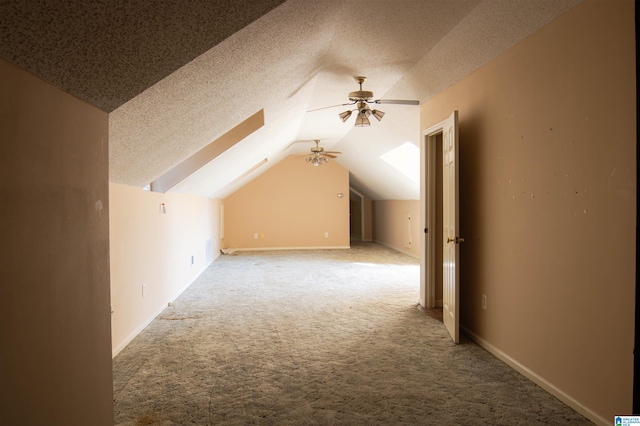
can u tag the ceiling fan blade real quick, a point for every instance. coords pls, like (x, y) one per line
(330, 155)
(333, 152)
(332, 106)
(395, 102)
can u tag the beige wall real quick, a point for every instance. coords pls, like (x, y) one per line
(290, 205)
(548, 204)
(154, 249)
(55, 361)
(397, 225)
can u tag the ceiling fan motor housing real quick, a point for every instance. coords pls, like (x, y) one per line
(361, 95)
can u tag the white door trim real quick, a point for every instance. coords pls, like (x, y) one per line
(361, 212)
(427, 216)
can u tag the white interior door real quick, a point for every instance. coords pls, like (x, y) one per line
(450, 228)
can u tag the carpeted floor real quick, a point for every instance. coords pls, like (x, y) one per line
(316, 337)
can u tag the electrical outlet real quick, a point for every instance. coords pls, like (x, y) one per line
(255, 236)
(484, 302)
(326, 235)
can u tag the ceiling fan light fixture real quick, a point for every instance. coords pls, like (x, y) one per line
(377, 114)
(344, 116)
(363, 115)
(319, 155)
(362, 120)
(317, 160)
(362, 99)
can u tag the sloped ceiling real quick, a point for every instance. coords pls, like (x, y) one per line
(175, 76)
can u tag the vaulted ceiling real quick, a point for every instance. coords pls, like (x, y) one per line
(176, 76)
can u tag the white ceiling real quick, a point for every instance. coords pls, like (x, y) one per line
(188, 72)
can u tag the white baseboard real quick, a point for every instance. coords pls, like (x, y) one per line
(115, 351)
(398, 249)
(232, 250)
(535, 378)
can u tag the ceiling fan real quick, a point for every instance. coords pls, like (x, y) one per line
(361, 99)
(319, 155)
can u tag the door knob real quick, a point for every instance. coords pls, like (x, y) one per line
(456, 240)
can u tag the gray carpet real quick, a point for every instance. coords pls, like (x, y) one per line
(321, 337)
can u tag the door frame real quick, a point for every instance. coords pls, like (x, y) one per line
(361, 212)
(428, 213)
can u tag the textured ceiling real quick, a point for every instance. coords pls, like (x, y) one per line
(108, 51)
(175, 76)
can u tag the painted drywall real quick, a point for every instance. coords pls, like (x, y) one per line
(548, 205)
(160, 243)
(55, 361)
(397, 225)
(291, 205)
